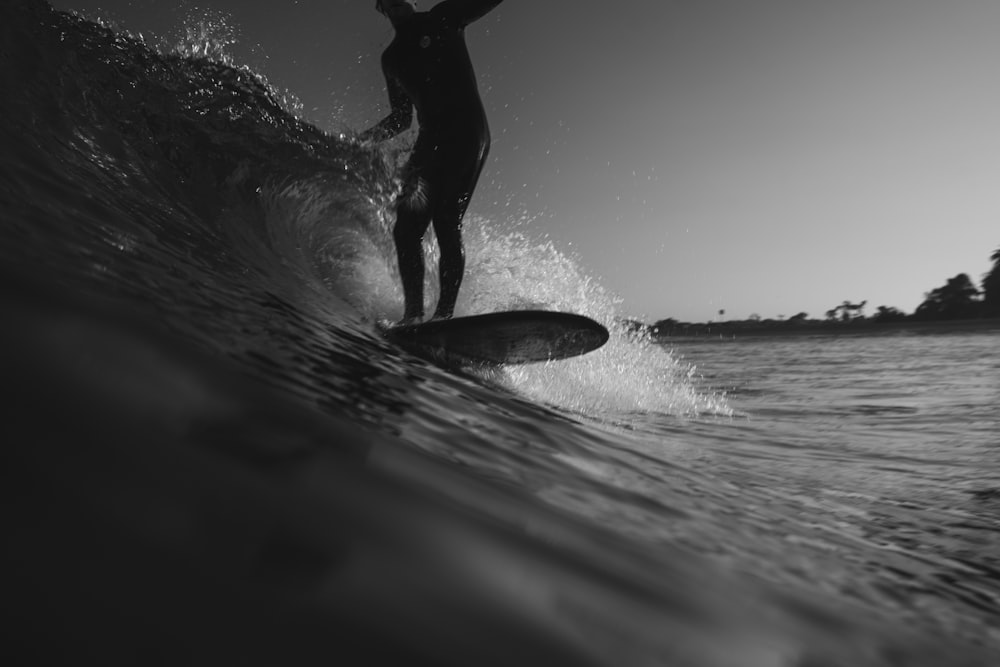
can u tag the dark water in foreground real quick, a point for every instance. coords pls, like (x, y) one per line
(212, 457)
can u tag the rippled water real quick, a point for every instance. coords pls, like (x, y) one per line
(876, 455)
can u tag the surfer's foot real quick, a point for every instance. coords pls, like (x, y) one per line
(440, 316)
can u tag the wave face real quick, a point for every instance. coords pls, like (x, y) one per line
(174, 234)
(186, 184)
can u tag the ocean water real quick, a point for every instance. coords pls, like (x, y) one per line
(212, 456)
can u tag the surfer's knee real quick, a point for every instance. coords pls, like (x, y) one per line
(411, 225)
(448, 229)
(450, 242)
(415, 196)
(405, 233)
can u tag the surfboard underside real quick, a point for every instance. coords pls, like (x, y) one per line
(512, 337)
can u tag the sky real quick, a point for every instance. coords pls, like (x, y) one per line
(763, 157)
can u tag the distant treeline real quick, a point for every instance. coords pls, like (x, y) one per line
(958, 299)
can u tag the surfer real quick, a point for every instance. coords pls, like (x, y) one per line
(427, 67)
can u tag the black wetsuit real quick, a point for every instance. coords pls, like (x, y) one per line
(427, 67)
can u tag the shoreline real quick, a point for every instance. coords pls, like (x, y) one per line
(731, 330)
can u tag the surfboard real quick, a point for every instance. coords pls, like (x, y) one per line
(510, 337)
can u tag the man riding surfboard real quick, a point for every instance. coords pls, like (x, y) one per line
(427, 67)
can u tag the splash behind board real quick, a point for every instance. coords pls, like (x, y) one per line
(512, 337)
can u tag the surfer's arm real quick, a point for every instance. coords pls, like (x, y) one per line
(400, 116)
(465, 12)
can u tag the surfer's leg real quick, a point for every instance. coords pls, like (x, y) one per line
(408, 234)
(454, 193)
(413, 215)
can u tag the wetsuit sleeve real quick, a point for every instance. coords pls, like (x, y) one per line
(400, 115)
(464, 12)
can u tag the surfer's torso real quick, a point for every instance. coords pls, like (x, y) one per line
(430, 62)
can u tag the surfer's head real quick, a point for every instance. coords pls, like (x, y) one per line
(396, 9)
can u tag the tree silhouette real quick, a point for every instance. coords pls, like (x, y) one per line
(847, 311)
(665, 326)
(991, 288)
(955, 300)
(889, 314)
